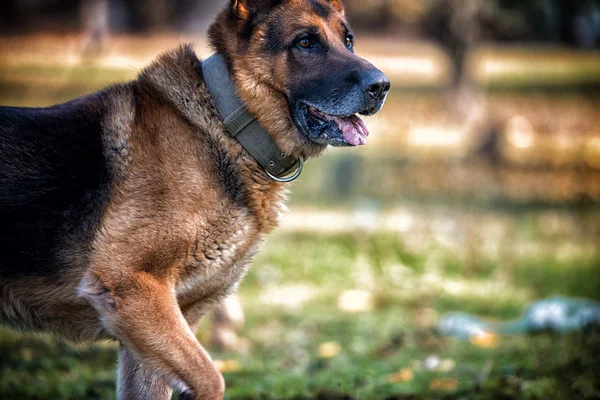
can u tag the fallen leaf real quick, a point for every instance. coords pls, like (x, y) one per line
(329, 349)
(404, 375)
(443, 384)
(225, 366)
(486, 340)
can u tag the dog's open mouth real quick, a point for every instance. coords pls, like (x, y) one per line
(332, 130)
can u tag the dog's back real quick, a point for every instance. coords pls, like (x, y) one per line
(53, 182)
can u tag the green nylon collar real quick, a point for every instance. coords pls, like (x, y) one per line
(243, 126)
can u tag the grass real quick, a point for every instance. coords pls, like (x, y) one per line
(291, 303)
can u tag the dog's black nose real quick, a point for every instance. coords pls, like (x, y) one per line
(379, 89)
(376, 84)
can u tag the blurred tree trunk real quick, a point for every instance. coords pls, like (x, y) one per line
(94, 20)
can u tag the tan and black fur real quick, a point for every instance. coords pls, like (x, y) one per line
(129, 213)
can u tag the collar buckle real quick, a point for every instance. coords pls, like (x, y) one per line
(289, 178)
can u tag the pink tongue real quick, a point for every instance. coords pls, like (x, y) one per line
(354, 130)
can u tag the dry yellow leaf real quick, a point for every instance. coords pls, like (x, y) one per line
(228, 365)
(485, 340)
(404, 375)
(329, 349)
(443, 384)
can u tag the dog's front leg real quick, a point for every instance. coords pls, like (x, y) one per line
(136, 382)
(142, 312)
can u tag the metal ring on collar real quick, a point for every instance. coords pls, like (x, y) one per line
(289, 178)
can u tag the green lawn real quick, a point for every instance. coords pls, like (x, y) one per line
(291, 303)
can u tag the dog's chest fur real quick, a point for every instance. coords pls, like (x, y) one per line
(217, 259)
(184, 207)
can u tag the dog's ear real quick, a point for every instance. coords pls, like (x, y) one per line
(337, 4)
(252, 9)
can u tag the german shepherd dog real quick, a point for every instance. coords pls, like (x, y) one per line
(127, 214)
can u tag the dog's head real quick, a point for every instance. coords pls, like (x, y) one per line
(294, 66)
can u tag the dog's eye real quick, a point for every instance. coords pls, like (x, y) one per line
(305, 43)
(349, 42)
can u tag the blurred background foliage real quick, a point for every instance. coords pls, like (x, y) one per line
(479, 191)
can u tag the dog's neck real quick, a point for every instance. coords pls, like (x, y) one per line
(177, 77)
(243, 126)
(179, 74)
